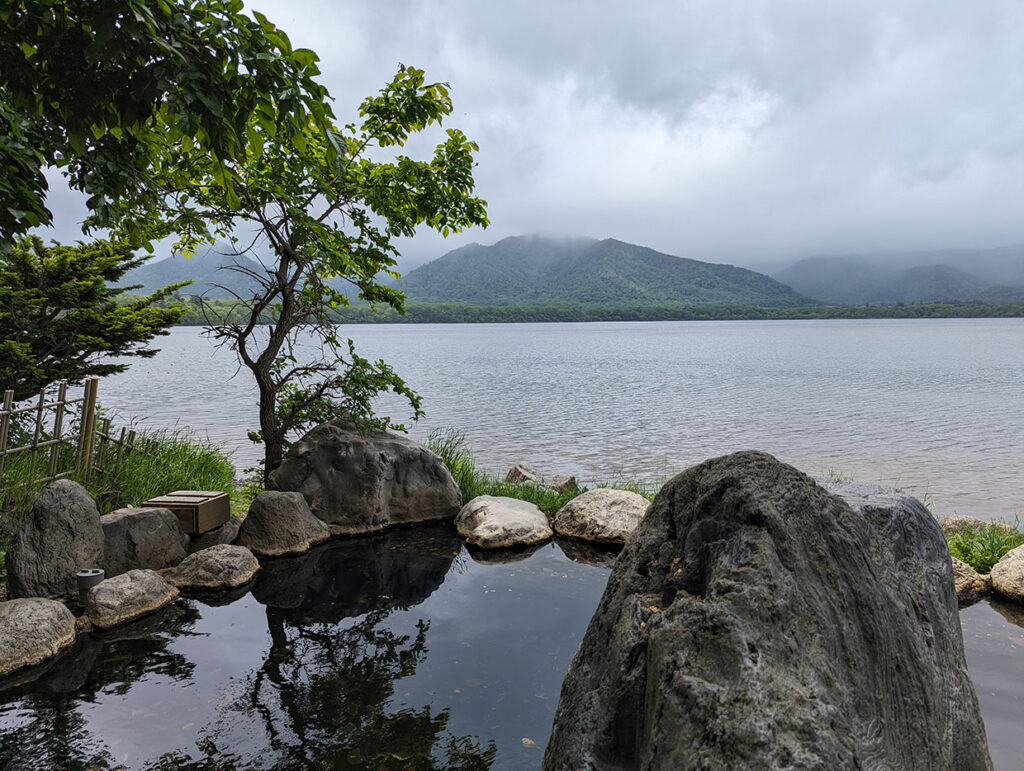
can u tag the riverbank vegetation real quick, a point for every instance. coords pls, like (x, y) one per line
(214, 311)
(982, 546)
(450, 445)
(162, 461)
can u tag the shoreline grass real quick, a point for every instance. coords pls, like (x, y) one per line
(451, 446)
(982, 546)
(163, 460)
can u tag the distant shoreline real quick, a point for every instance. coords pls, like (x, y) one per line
(452, 313)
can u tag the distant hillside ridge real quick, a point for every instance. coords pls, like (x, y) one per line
(950, 275)
(210, 272)
(536, 270)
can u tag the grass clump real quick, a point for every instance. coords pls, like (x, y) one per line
(451, 446)
(983, 546)
(161, 461)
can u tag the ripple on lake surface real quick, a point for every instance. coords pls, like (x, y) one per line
(932, 406)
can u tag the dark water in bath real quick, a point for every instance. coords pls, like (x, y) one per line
(395, 651)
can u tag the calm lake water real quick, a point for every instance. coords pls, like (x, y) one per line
(932, 406)
(407, 650)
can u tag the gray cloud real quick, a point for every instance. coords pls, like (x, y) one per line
(739, 132)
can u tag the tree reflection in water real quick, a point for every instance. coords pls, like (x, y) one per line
(57, 736)
(324, 693)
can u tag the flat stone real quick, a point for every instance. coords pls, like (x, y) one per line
(1008, 575)
(224, 566)
(753, 620)
(33, 630)
(280, 523)
(127, 597)
(494, 522)
(521, 473)
(971, 586)
(603, 515)
(61, 536)
(960, 523)
(141, 538)
(366, 482)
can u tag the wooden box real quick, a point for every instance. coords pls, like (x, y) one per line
(197, 510)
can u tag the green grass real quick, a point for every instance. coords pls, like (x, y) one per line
(162, 461)
(450, 445)
(982, 547)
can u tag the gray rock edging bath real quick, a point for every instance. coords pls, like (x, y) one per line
(755, 620)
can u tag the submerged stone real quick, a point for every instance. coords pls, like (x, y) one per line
(754, 620)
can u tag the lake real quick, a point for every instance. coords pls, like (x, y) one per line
(406, 648)
(931, 406)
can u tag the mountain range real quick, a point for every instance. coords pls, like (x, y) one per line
(533, 270)
(585, 272)
(884, 278)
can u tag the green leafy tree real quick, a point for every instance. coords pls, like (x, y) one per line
(58, 313)
(104, 89)
(322, 206)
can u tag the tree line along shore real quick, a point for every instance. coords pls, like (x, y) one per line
(214, 311)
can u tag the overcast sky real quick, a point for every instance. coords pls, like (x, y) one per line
(742, 132)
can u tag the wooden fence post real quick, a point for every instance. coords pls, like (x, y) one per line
(88, 428)
(5, 422)
(58, 427)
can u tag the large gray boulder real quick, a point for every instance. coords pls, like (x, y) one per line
(496, 522)
(754, 620)
(61, 536)
(226, 533)
(126, 597)
(33, 630)
(361, 483)
(280, 523)
(141, 538)
(218, 568)
(603, 515)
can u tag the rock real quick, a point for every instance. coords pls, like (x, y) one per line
(602, 515)
(226, 533)
(970, 585)
(753, 620)
(492, 522)
(960, 523)
(33, 630)
(141, 538)
(361, 483)
(224, 566)
(1008, 575)
(563, 484)
(520, 473)
(126, 597)
(280, 523)
(61, 536)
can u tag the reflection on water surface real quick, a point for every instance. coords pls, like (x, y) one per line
(400, 650)
(393, 651)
